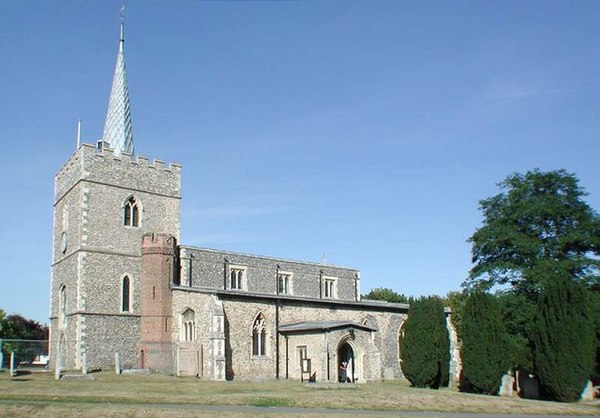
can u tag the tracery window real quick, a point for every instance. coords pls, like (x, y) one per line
(131, 213)
(126, 294)
(188, 325)
(259, 336)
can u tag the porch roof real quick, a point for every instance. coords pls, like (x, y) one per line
(323, 326)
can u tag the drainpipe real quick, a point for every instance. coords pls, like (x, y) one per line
(320, 284)
(190, 270)
(287, 359)
(277, 339)
(225, 264)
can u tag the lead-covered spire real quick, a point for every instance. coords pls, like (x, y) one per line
(118, 132)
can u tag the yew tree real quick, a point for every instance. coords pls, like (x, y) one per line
(564, 339)
(425, 346)
(484, 344)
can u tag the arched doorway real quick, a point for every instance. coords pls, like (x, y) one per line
(346, 364)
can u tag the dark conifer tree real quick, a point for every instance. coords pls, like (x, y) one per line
(484, 344)
(563, 337)
(425, 346)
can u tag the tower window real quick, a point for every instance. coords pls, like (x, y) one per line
(126, 295)
(131, 213)
(259, 336)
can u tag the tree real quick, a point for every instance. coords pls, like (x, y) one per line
(539, 223)
(26, 329)
(388, 295)
(484, 345)
(564, 346)
(5, 327)
(456, 302)
(518, 313)
(425, 346)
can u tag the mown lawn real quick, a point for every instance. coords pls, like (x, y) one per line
(158, 395)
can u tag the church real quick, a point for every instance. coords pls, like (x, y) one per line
(125, 292)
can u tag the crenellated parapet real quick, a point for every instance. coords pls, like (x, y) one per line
(123, 170)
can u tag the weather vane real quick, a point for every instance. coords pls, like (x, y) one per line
(122, 17)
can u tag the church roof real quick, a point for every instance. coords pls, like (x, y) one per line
(323, 326)
(118, 132)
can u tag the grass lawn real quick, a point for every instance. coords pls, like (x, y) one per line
(158, 395)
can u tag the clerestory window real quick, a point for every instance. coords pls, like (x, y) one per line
(329, 288)
(131, 213)
(236, 278)
(284, 283)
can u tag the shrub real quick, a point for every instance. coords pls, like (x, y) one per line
(425, 346)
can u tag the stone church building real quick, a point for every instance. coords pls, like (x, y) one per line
(123, 284)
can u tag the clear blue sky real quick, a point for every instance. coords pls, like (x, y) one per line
(366, 130)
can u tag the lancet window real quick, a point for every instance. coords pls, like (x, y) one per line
(62, 306)
(126, 294)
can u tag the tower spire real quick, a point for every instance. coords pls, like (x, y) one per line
(118, 132)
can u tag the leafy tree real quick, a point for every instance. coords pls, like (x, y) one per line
(564, 346)
(484, 344)
(5, 330)
(26, 329)
(456, 302)
(388, 295)
(538, 223)
(518, 312)
(425, 346)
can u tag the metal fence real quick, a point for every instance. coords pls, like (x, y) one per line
(25, 354)
(45, 355)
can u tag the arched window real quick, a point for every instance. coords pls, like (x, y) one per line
(188, 325)
(259, 336)
(131, 212)
(62, 306)
(126, 295)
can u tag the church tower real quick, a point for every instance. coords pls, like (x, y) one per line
(105, 201)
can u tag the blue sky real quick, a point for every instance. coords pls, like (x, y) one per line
(365, 130)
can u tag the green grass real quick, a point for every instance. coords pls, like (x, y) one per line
(268, 402)
(159, 395)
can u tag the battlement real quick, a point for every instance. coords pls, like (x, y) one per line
(124, 170)
(157, 239)
(108, 153)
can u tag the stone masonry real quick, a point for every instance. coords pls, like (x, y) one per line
(127, 287)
